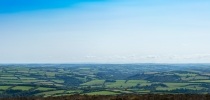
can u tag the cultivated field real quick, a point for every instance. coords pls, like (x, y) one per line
(103, 79)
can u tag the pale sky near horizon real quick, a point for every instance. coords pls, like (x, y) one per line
(104, 31)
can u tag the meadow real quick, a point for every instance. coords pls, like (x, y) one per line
(102, 79)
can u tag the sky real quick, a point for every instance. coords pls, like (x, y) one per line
(104, 31)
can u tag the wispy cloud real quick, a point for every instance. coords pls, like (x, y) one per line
(149, 58)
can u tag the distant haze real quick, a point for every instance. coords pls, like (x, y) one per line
(105, 31)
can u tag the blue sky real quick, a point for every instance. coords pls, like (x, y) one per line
(104, 31)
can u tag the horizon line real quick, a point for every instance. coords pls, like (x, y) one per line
(89, 63)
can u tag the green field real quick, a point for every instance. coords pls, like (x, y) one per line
(45, 89)
(51, 93)
(201, 81)
(4, 87)
(57, 80)
(94, 83)
(24, 88)
(102, 93)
